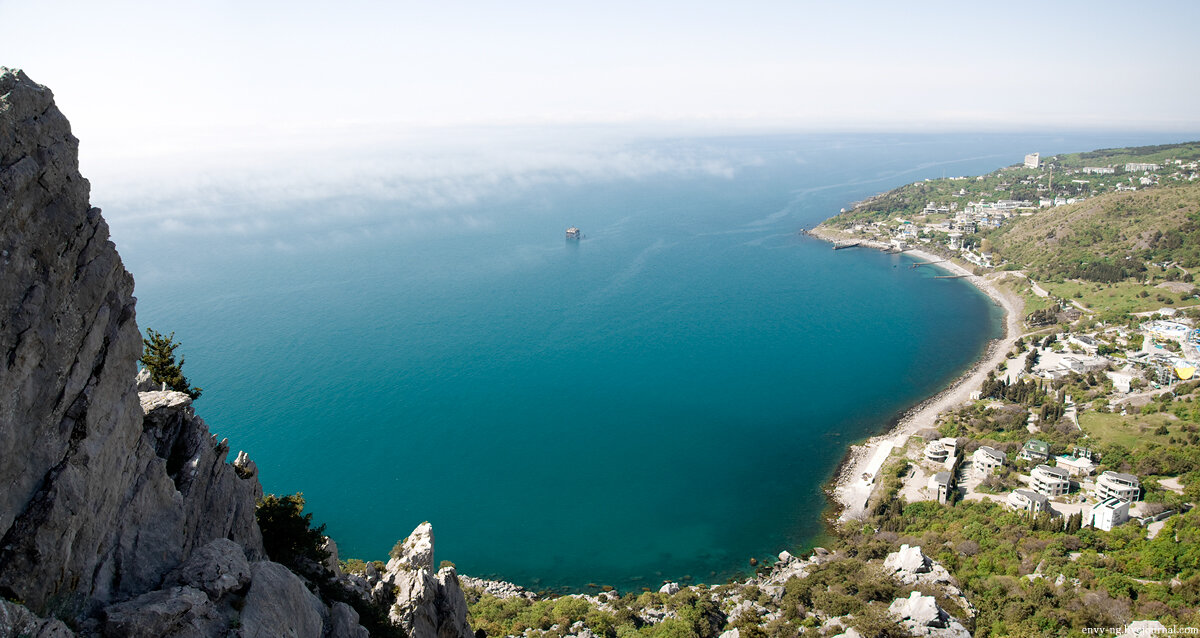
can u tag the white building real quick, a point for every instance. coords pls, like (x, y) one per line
(1125, 487)
(1032, 160)
(986, 460)
(1122, 381)
(1172, 330)
(1084, 341)
(1109, 513)
(1099, 170)
(1076, 466)
(1051, 481)
(936, 452)
(1134, 167)
(955, 240)
(1027, 501)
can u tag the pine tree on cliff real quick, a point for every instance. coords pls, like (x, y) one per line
(159, 358)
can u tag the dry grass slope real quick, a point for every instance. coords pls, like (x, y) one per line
(1150, 225)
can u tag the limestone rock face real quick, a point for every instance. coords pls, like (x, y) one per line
(426, 604)
(343, 622)
(106, 498)
(181, 612)
(16, 620)
(278, 604)
(451, 606)
(217, 568)
(416, 551)
(415, 606)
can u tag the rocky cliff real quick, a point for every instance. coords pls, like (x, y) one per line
(121, 515)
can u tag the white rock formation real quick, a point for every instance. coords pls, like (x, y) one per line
(426, 604)
(907, 564)
(921, 616)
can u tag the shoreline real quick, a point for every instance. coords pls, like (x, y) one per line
(854, 478)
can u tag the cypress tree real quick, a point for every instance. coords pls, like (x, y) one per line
(159, 358)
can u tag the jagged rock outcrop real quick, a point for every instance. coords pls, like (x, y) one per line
(425, 603)
(907, 564)
(120, 513)
(921, 616)
(910, 566)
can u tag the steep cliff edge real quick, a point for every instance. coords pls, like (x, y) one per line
(120, 514)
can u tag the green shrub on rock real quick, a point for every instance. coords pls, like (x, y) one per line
(287, 532)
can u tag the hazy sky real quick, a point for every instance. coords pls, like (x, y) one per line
(151, 77)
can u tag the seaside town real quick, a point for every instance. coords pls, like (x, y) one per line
(1075, 439)
(961, 210)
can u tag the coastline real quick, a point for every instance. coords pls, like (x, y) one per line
(854, 479)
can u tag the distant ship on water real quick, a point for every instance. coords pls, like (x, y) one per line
(574, 233)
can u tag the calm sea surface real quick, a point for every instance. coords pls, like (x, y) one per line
(662, 399)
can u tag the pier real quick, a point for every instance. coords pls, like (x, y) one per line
(926, 263)
(951, 276)
(841, 245)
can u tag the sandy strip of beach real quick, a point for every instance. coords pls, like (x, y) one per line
(856, 476)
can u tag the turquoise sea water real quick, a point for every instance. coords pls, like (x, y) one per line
(662, 399)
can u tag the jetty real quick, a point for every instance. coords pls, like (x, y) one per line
(926, 263)
(951, 276)
(838, 245)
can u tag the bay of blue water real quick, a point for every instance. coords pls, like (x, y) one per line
(662, 399)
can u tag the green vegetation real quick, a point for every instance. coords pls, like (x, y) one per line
(159, 358)
(288, 535)
(697, 617)
(1119, 298)
(1159, 154)
(290, 539)
(1008, 566)
(1127, 431)
(1109, 238)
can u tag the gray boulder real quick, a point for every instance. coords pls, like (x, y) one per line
(343, 622)
(180, 612)
(278, 605)
(17, 621)
(217, 569)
